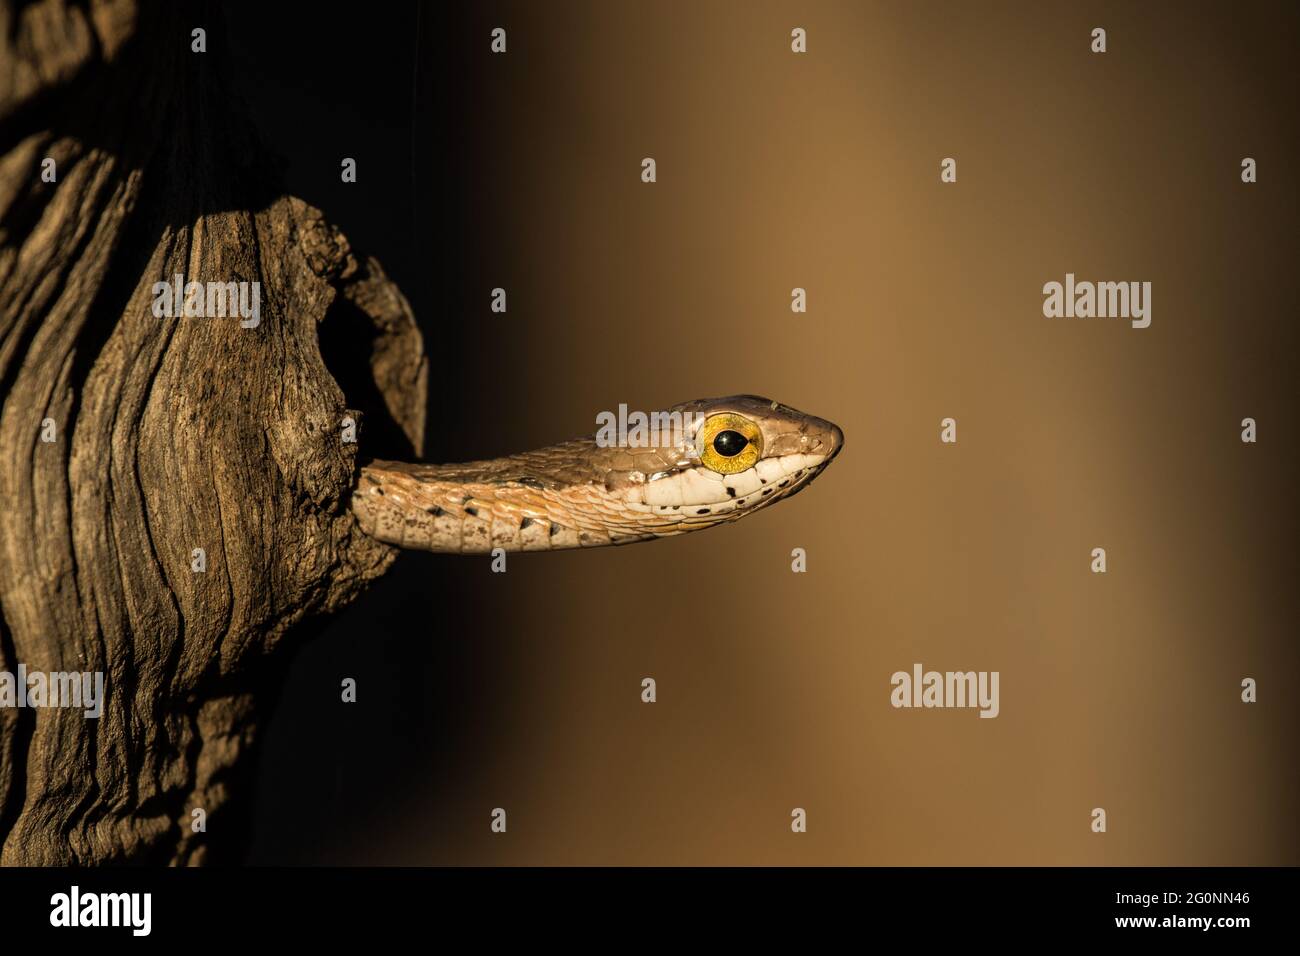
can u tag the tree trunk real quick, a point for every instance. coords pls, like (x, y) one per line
(127, 441)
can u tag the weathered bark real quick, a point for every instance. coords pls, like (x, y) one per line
(171, 433)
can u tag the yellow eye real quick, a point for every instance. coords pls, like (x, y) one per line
(729, 444)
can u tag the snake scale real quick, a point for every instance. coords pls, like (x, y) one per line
(732, 457)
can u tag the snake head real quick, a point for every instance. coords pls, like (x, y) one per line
(734, 455)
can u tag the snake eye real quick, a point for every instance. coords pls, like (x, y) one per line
(729, 444)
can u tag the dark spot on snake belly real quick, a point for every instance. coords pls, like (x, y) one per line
(532, 483)
(784, 483)
(555, 529)
(378, 490)
(472, 512)
(762, 481)
(467, 499)
(731, 492)
(435, 511)
(767, 491)
(702, 511)
(525, 523)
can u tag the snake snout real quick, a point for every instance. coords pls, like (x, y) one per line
(826, 440)
(836, 439)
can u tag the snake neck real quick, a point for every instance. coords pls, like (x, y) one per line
(448, 509)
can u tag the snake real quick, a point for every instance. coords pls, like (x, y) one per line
(714, 461)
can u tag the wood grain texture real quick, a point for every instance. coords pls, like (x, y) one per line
(172, 434)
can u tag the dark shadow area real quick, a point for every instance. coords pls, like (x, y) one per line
(320, 89)
(347, 338)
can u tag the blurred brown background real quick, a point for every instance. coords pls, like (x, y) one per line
(776, 170)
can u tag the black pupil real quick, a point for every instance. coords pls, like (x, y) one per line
(729, 444)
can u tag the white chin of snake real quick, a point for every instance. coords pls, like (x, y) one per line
(699, 486)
